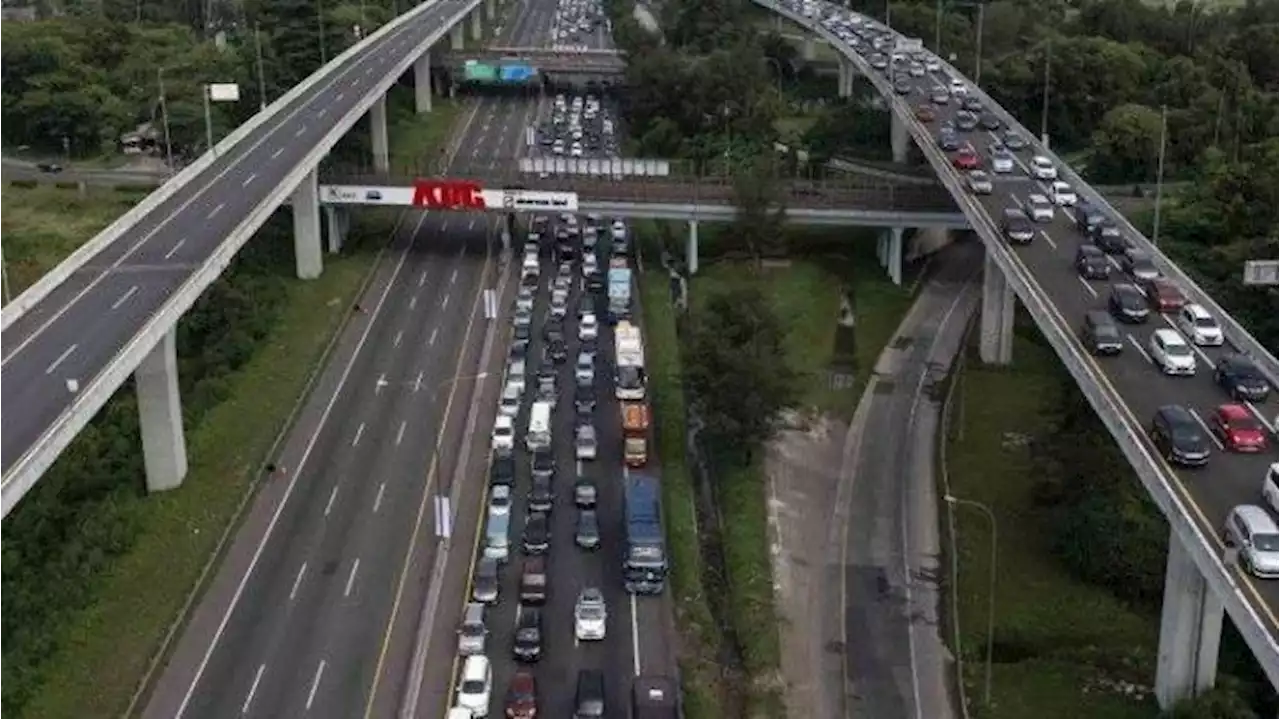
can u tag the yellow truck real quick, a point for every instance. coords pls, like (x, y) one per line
(635, 433)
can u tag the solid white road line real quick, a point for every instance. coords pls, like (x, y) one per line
(253, 689)
(328, 506)
(315, 684)
(124, 298)
(174, 250)
(1205, 426)
(1087, 287)
(377, 501)
(61, 358)
(351, 578)
(1138, 346)
(297, 581)
(635, 638)
(359, 433)
(400, 432)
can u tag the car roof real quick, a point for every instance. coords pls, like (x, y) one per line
(1176, 413)
(1089, 249)
(1234, 411)
(1197, 311)
(1256, 517)
(1169, 337)
(475, 666)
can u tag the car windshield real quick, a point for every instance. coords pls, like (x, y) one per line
(1242, 423)
(472, 686)
(1177, 349)
(1107, 332)
(1266, 542)
(1205, 323)
(1186, 435)
(590, 611)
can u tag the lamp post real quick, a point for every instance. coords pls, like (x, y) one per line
(1164, 131)
(977, 61)
(216, 92)
(991, 589)
(262, 75)
(1044, 98)
(164, 119)
(324, 58)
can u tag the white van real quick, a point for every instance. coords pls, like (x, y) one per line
(539, 435)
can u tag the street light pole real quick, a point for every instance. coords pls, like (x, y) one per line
(324, 58)
(991, 590)
(208, 117)
(937, 31)
(164, 119)
(977, 70)
(1044, 98)
(262, 75)
(1164, 131)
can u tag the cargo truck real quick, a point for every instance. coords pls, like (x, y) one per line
(635, 433)
(629, 383)
(644, 561)
(619, 290)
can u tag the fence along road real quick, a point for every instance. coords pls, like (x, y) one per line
(97, 315)
(1126, 390)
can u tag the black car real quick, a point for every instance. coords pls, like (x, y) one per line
(540, 495)
(1107, 237)
(486, 583)
(584, 399)
(990, 122)
(521, 337)
(585, 493)
(1100, 334)
(557, 350)
(948, 142)
(971, 104)
(1013, 140)
(537, 533)
(966, 121)
(526, 645)
(553, 329)
(1017, 226)
(595, 284)
(543, 464)
(1177, 434)
(1088, 217)
(1092, 263)
(940, 97)
(587, 532)
(1128, 304)
(502, 470)
(1241, 378)
(902, 86)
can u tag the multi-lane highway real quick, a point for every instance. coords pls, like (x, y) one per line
(313, 607)
(80, 326)
(1230, 479)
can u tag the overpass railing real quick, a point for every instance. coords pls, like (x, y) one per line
(1128, 432)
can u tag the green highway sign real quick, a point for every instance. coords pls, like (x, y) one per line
(476, 71)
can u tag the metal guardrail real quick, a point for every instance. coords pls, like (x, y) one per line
(1101, 394)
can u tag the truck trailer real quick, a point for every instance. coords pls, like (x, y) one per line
(644, 561)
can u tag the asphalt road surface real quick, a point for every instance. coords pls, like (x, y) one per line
(1230, 479)
(298, 622)
(76, 330)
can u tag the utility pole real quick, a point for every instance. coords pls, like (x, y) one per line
(208, 117)
(1164, 131)
(324, 57)
(262, 75)
(977, 70)
(164, 119)
(1044, 99)
(937, 31)
(991, 589)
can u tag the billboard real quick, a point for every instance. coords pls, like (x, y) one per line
(516, 72)
(224, 92)
(458, 195)
(476, 71)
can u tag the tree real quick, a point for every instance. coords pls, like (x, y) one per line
(736, 369)
(1126, 145)
(1224, 701)
(759, 220)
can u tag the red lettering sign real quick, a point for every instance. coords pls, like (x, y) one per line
(448, 195)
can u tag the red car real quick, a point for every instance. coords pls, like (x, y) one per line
(1238, 429)
(966, 159)
(1163, 295)
(925, 113)
(522, 696)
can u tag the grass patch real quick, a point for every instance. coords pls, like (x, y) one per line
(1053, 658)
(42, 225)
(104, 652)
(699, 665)
(415, 140)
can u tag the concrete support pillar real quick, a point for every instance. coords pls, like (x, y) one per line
(995, 344)
(164, 447)
(846, 79)
(691, 248)
(422, 83)
(378, 135)
(809, 50)
(477, 27)
(899, 138)
(490, 10)
(335, 226)
(306, 229)
(893, 254)
(455, 37)
(1190, 628)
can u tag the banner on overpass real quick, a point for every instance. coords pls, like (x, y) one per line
(595, 167)
(516, 72)
(450, 195)
(476, 71)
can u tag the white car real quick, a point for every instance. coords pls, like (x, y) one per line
(584, 443)
(958, 87)
(504, 434)
(588, 327)
(932, 64)
(500, 499)
(1063, 194)
(523, 317)
(476, 688)
(584, 370)
(1040, 208)
(509, 404)
(559, 303)
(590, 616)
(524, 298)
(979, 182)
(530, 267)
(1195, 322)
(1042, 168)
(1171, 353)
(1001, 162)
(590, 265)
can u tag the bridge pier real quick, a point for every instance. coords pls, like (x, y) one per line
(809, 50)
(477, 28)
(691, 248)
(164, 446)
(889, 253)
(378, 135)
(490, 10)
(846, 79)
(422, 83)
(899, 138)
(1190, 629)
(995, 343)
(306, 228)
(455, 37)
(337, 223)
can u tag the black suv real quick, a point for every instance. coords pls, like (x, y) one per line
(1177, 434)
(1091, 263)
(537, 533)
(1017, 226)
(1128, 304)
(1087, 218)
(543, 465)
(587, 533)
(1100, 334)
(502, 470)
(540, 495)
(1107, 237)
(584, 399)
(526, 646)
(1241, 378)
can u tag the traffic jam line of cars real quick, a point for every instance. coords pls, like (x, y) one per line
(1037, 197)
(575, 22)
(578, 126)
(524, 435)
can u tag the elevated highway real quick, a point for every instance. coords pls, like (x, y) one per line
(1125, 391)
(74, 337)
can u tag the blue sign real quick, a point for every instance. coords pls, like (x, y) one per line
(516, 73)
